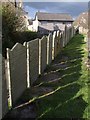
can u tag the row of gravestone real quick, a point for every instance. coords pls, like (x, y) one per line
(26, 62)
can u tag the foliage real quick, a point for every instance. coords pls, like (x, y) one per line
(12, 18)
(12, 21)
(24, 36)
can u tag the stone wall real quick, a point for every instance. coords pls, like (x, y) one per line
(82, 30)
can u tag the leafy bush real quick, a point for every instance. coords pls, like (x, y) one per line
(14, 27)
(12, 21)
(24, 36)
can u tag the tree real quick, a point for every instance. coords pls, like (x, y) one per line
(12, 21)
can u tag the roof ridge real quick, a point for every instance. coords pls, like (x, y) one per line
(53, 16)
(52, 13)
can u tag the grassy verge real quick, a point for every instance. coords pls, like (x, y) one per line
(69, 98)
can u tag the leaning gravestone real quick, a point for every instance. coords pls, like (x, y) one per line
(33, 47)
(43, 53)
(49, 49)
(17, 58)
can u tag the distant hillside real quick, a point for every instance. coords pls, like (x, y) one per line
(82, 20)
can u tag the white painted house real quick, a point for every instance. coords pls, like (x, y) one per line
(48, 22)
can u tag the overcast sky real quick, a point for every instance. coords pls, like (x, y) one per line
(73, 8)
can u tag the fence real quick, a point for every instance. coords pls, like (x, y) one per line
(26, 62)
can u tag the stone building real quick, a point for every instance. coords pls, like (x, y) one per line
(47, 22)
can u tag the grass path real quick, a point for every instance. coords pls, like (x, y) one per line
(68, 78)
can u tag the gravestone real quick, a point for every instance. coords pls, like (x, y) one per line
(17, 58)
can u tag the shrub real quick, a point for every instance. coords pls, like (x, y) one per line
(12, 21)
(24, 36)
(14, 27)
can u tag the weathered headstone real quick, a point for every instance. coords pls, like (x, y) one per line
(42, 54)
(17, 58)
(58, 41)
(66, 32)
(49, 49)
(53, 45)
(63, 37)
(33, 47)
(61, 40)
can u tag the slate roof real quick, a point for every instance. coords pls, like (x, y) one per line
(42, 16)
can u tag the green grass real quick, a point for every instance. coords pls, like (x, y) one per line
(69, 98)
